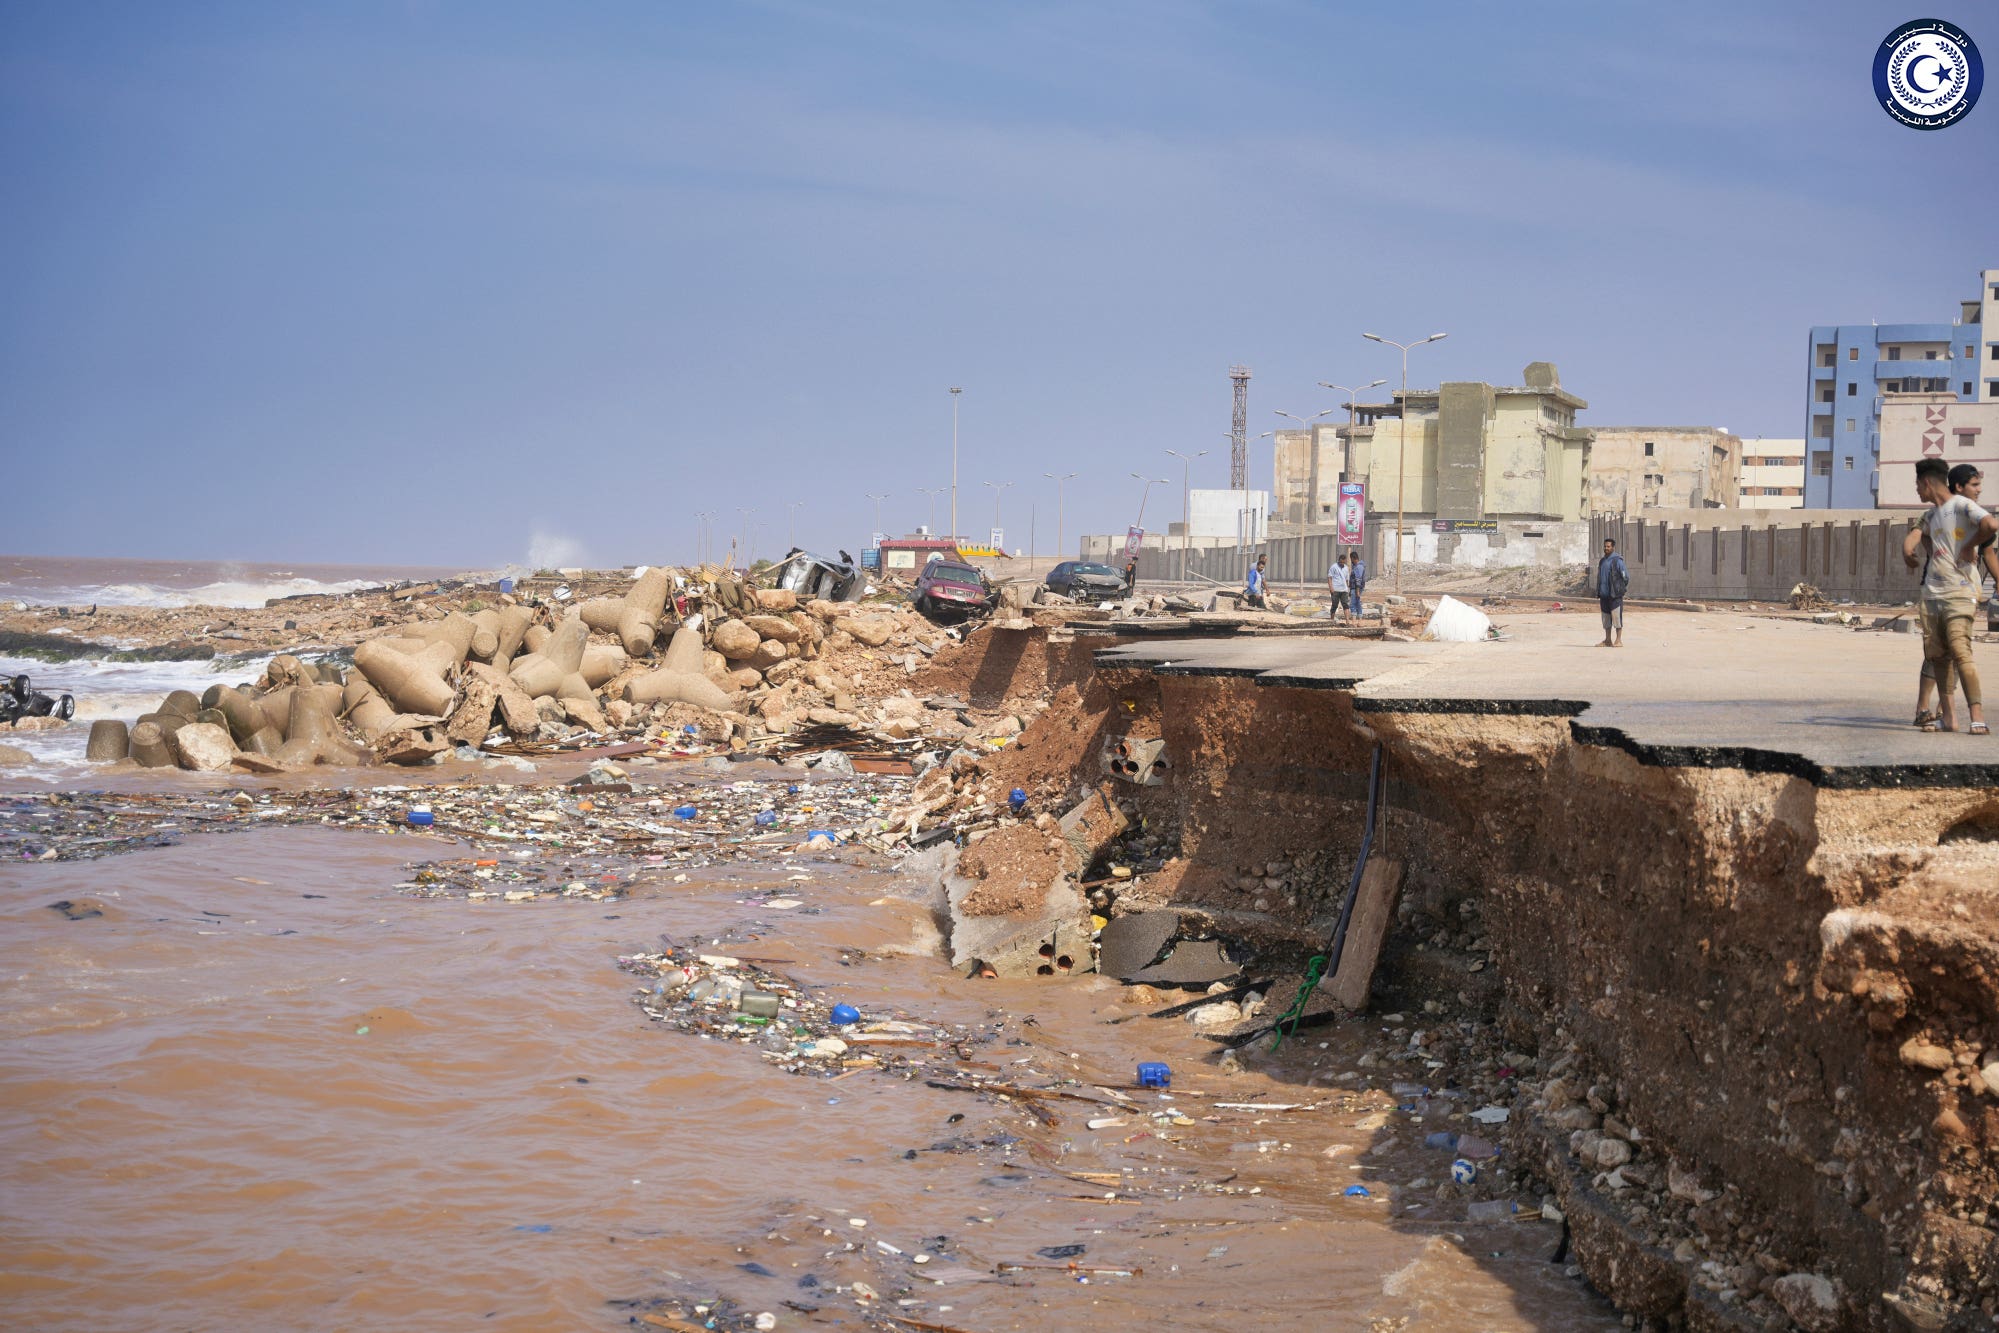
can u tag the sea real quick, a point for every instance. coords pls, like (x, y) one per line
(106, 688)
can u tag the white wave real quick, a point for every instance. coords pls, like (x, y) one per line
(110, 689)
(226, 594)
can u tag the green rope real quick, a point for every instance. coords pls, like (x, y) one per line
(1313, 970)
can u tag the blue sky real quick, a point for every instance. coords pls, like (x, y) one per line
(431, 282)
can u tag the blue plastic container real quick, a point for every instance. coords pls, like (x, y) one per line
(684, 812)
(825, 833)
(421, 818)
(765, 818)
(1153, 1074)
(506, 587)
(1016, 800)
(843, 1014)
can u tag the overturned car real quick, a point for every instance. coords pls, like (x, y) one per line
(811, 576)
(18, 699)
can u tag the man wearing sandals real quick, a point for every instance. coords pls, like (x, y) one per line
(1613, 578)
(1952, 533)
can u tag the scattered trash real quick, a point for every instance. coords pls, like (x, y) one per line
(421, 816)
(1357, 1192)
(1463, 1172)
(843, 1014)
(1153, 1074)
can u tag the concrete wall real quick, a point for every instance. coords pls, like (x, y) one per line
(1915, 425)
(1465, 415)
(1857, 557)
(1512, 545)
(1374, 462)
(1295, 452)
(1688, 466)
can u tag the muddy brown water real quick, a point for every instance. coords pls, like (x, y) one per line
(195, 1133)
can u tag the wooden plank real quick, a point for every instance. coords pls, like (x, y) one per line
(1373, 913)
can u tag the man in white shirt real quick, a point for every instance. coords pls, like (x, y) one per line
(1336, 588)
(1952, 532)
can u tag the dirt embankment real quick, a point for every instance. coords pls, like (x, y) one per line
(1767, 1015)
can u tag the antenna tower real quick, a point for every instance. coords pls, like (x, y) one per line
(1239, 431)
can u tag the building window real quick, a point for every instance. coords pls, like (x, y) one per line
(1849, 462)
(1995, 351)
(1967, 388)
(1930, 355)
(1853, 354)
(1648, 448)
(1822, 428)
(1822, 465)
(1849, 425)
(1894, 354)
(1825, 394)
(1967, 351)
(1826, 357)
(1852, 389)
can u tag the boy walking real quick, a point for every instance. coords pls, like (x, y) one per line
(1254, 585)
(1356, 580)
(1613, 577)
(1951, 533)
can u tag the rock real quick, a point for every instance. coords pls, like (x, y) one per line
(1610, 1153)
(775, 627)
(874, 631)
(1221, 1014)
(1991, 1076)
(831, 717)
(618, 713)
(13, 756)
(767, 654)
(409, 745)
(584, 713)
(50, 723)
(1950, 1125)
(1684, 1184)
(735, 639)
(1810, 1300)
(251, 762)
(1919, 1054)
(203, 747)
(777, 599)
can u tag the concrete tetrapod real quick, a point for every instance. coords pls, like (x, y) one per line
(634, 618)
(315, 737)
(150, 746)
(601, 661)
(109, 741)
(412, 684)
(542, 673)
(364, 706)
(679, 678)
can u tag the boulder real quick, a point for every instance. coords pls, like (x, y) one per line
(516, 710)
(775, 627)
(203, 747)
(251, 762)
(767, 654)
(585, 713)
(776, 599)
(13, 756)
(735, 639)
(874, 631)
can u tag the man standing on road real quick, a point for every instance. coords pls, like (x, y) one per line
(1336, 589)
(1254, 585)
(1612, 578)
(1356, 580)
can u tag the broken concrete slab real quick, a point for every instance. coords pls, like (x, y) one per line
(1128, 944)
(1192, 963)
(1089, 828)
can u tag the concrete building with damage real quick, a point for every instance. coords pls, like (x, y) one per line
(1633, 468)
(1476, 451)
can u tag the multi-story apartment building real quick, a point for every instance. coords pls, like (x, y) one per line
(1773, 474)
(1635, 468)
(1853, 366)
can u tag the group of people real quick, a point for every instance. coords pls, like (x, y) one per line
(1344, 583)
(1953, 545)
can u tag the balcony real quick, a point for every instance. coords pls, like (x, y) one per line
(1912, 370)
(1821, 409)
(1825, 372)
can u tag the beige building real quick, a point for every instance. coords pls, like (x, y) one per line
(1773, 474)
(1477, 451)
(1934, 425)
(1308, 466)
(1632, 468)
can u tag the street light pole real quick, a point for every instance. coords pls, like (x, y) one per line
(1186, 503)
(878, 507)
(1346, 455)
(997, 486)
(791, 523)
(933, 492)
(1402, 443)
(955, 391)
(746, 533)
(1059, 552)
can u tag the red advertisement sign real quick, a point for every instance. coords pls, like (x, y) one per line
(1350, 519)
(1132, 537)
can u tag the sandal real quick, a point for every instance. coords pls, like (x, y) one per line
(1926, 721)
(1978, 729)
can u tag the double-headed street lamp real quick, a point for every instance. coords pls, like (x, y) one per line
(997, 486)
(1186, 503)
(1346, 454)
(1402, 445)
(878, 507)
(933, 492)
(1067, 476)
